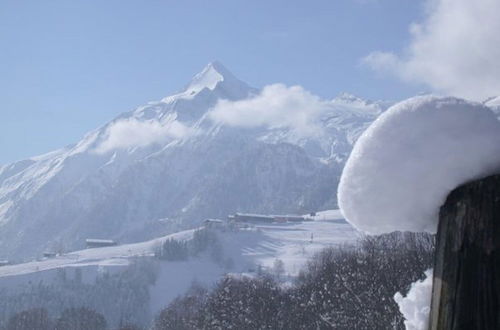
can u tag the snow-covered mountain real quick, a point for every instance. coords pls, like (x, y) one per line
(168, 165)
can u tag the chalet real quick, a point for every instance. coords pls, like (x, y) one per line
(213, 223)
(288, 218)
(252, 218)
(48, 254)
(97, 243)
(259, 218)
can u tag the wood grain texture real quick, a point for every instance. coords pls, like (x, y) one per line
(466, 287)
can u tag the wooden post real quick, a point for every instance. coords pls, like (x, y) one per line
(466, 284)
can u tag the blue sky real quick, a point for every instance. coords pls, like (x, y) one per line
(67, 67)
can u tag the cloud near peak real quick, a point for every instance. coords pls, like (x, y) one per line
(276, 106)
(131, 132)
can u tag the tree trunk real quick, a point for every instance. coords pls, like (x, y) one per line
(466, 287)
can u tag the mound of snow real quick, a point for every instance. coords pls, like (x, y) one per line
(405, 164)
(415, 307)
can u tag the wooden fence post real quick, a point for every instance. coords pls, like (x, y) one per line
(466, 283)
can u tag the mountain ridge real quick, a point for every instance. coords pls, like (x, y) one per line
(169, 160)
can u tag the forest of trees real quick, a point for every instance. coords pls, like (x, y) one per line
(341, 288)
(70, 319)
(349, 287)
(204, 240)
(120, 298)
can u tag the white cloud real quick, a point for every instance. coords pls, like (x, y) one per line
(455, 50)
(276, 106)
(134, 133)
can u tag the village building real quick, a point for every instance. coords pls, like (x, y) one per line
(97, 243)
(252, 218)
(213, 223)
(289, 218)
(259, 218)
(48, 254)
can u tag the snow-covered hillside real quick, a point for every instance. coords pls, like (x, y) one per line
(168, 165)
(494, 104)
(247, 248)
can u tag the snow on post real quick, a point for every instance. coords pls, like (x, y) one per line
(405, 164)
(415, 307)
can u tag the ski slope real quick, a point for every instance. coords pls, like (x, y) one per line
(249, 248)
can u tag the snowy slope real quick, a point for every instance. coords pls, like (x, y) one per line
(293, 243)
(494, 104)
(165, 166)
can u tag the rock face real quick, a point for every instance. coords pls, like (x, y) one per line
(466, 292)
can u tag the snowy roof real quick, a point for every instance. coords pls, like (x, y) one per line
(406, 163)
(214, 220)
(253, 215)
(99, 241)
(289, 216)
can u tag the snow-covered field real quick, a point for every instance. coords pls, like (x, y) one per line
(248, 248)
(105, 257)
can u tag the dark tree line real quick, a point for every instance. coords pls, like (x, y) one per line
(203, 241)
(122, 298)
(351, 287)
(80, 318)
(71, 318)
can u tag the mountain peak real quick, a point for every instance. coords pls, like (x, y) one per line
(213, 74)
(220, 68)
(348, 97)
(216, 78)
